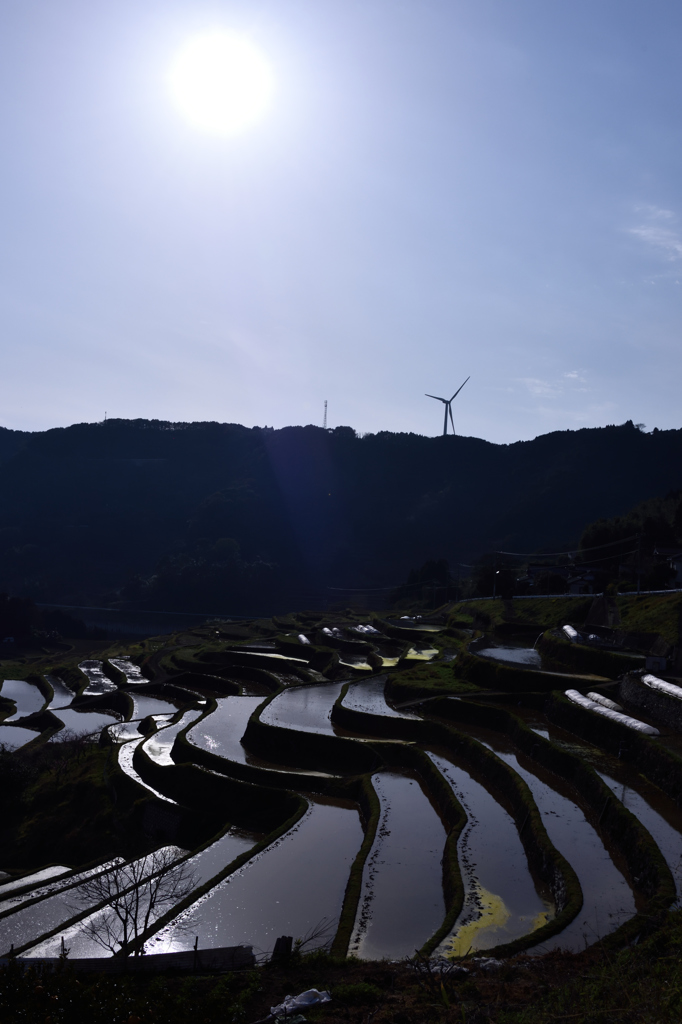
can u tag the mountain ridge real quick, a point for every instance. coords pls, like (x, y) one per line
(175, 515)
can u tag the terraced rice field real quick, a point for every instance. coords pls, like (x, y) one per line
(450, 825)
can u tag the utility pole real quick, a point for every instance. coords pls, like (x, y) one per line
(639, 562)
(324, 425)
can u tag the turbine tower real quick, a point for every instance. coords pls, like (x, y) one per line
(447, 402)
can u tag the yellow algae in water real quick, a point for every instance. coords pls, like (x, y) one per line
(494, 914)
(426, 654)
(540, 920)
(490, 928)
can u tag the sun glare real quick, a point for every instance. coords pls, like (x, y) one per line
(221, 82)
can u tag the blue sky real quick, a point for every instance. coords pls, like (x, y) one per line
(438, 189)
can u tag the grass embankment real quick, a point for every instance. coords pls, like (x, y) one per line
(639, 985)
(533, 612)
(427, 680)
(58, 797)
(647, 613)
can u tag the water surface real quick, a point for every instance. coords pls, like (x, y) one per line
(368, 696)
(33, 879)
(53, 909)
(63, 694)
(159, 745)
(76, 939)
(84, 723)
(26, 696)
(402, 902)
(501, 902)
(144, 705)
(667, 838)
(13, 736)
(304, 708)
(125, 761)
(608, 900)
(513, 655)
(130, 670)
(97, 681)
(222, 730)
(288, 889)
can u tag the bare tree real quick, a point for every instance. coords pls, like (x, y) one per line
(131, 896)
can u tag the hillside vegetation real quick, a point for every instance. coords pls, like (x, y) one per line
(220, 518)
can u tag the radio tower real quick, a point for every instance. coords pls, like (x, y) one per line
(324, 425)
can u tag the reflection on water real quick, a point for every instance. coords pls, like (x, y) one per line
(124, 731)
(63, 695)
(608, 900)
(97, 681)
(125, 761)
(421, 654)
(83, 723)
(159, 745)
(368, 696)
(667, 838)
(13, 736)
(656, 811)
(144, 705)
(288, 889)
(222, 730)
(306, 708)
(27, 697)
(33, 879)
(514, 655)
(130, 670)
(76, 939)
(500, 899)
(402, 902)
(30, 922)
(407, 623)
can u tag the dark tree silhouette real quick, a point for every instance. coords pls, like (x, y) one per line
(131, 896)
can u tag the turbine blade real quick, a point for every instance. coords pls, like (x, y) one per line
(451, 419)
(459, 389)
(436, 397)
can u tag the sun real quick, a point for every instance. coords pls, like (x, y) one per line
(221, 82)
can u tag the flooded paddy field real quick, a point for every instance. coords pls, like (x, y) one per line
(125, 761)
(368, 696)
(221, 732)
(608, 900)
(84, 723)
(33, 879)
(297, 883)
(144, 705)
(305, 708)
(12, 737)
(661, 817)
(293, 887)
(98, 681)
(501, 901)
(26, 696)
(54, 905)
(62, 694)
(198, 870)
(159, 745)
(402, 903)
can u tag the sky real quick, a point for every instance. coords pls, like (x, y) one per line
(437, 189)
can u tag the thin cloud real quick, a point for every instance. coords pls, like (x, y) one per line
(656, 231)
(570, 380)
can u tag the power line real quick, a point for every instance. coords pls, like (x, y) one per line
(558, 554)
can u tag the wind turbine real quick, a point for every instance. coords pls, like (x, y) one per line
(447, 402)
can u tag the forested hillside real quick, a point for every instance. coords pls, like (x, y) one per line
(210, 516)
